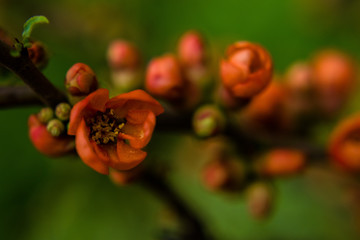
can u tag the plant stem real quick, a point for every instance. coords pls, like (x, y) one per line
(18, 96)
(26, 70)
(157, 184)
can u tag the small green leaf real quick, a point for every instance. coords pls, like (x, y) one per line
(15, 53)
(29, 25)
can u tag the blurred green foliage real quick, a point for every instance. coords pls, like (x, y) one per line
(42, 198)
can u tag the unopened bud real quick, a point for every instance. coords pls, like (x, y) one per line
(122, 178)
(344, 145)
(259, 200)
(80, 80)
(246, 70)
(208, 121)
(62, 111)
(123, 55)
(55, 127)
(334, 78)
(281, 162)
(224, 174)
(38, 55)
(45, 115)
(164, 78)
(191, 49)
(47, 144)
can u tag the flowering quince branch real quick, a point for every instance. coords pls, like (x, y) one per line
(247, 109)
(23, 67)
(156, 183)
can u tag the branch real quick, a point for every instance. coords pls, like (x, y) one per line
(159, 185)
(18, 96)
(26, 70)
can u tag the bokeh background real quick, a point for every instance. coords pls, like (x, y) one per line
(42, 198)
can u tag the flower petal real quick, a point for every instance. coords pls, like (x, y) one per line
(136, 100)
(86, 151)
(139, 128)
(92, 103)
(125, 157)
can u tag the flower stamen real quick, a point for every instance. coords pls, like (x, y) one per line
(105, 127)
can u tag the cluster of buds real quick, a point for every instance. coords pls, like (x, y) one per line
(180, 80)
(125, 65)
(302, 94)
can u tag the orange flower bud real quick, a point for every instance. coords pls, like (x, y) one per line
(246, 70)
(191, 49)
(164, 78)
(38, 55)
(281, 162)
(334, 78)
(80, 80)
(300, 85)
(223, 173)
(123, 55)
(344, 145)
(266, 110)
(260, 200)
(45, 143)
(122, 178)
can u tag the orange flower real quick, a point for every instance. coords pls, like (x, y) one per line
(344, 146)
(45, 143)
(247, 69)
(111, 132)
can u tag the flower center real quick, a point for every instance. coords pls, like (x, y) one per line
(105, 127)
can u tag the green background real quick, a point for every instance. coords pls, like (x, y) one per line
(43, 198)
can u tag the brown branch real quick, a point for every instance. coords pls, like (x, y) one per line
(158, 184)
(18, 96)
(26, 70)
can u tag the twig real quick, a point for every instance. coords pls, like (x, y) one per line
(158, 185)
(26, 70)
(18, 96)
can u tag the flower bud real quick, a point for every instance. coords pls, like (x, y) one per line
(38, 55)
(55, 127)
(281, 162)
(62, 111)
(45, 115)
(208, 121)
(334, 78)
(47, 144)
(164, 79)
(80, 80)
(224, 173)
(265, 112)
(299, 83)
(246, 70)
(344, 145)
(191, 49)
(122, 55)
(259, 200)
(122, 178)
